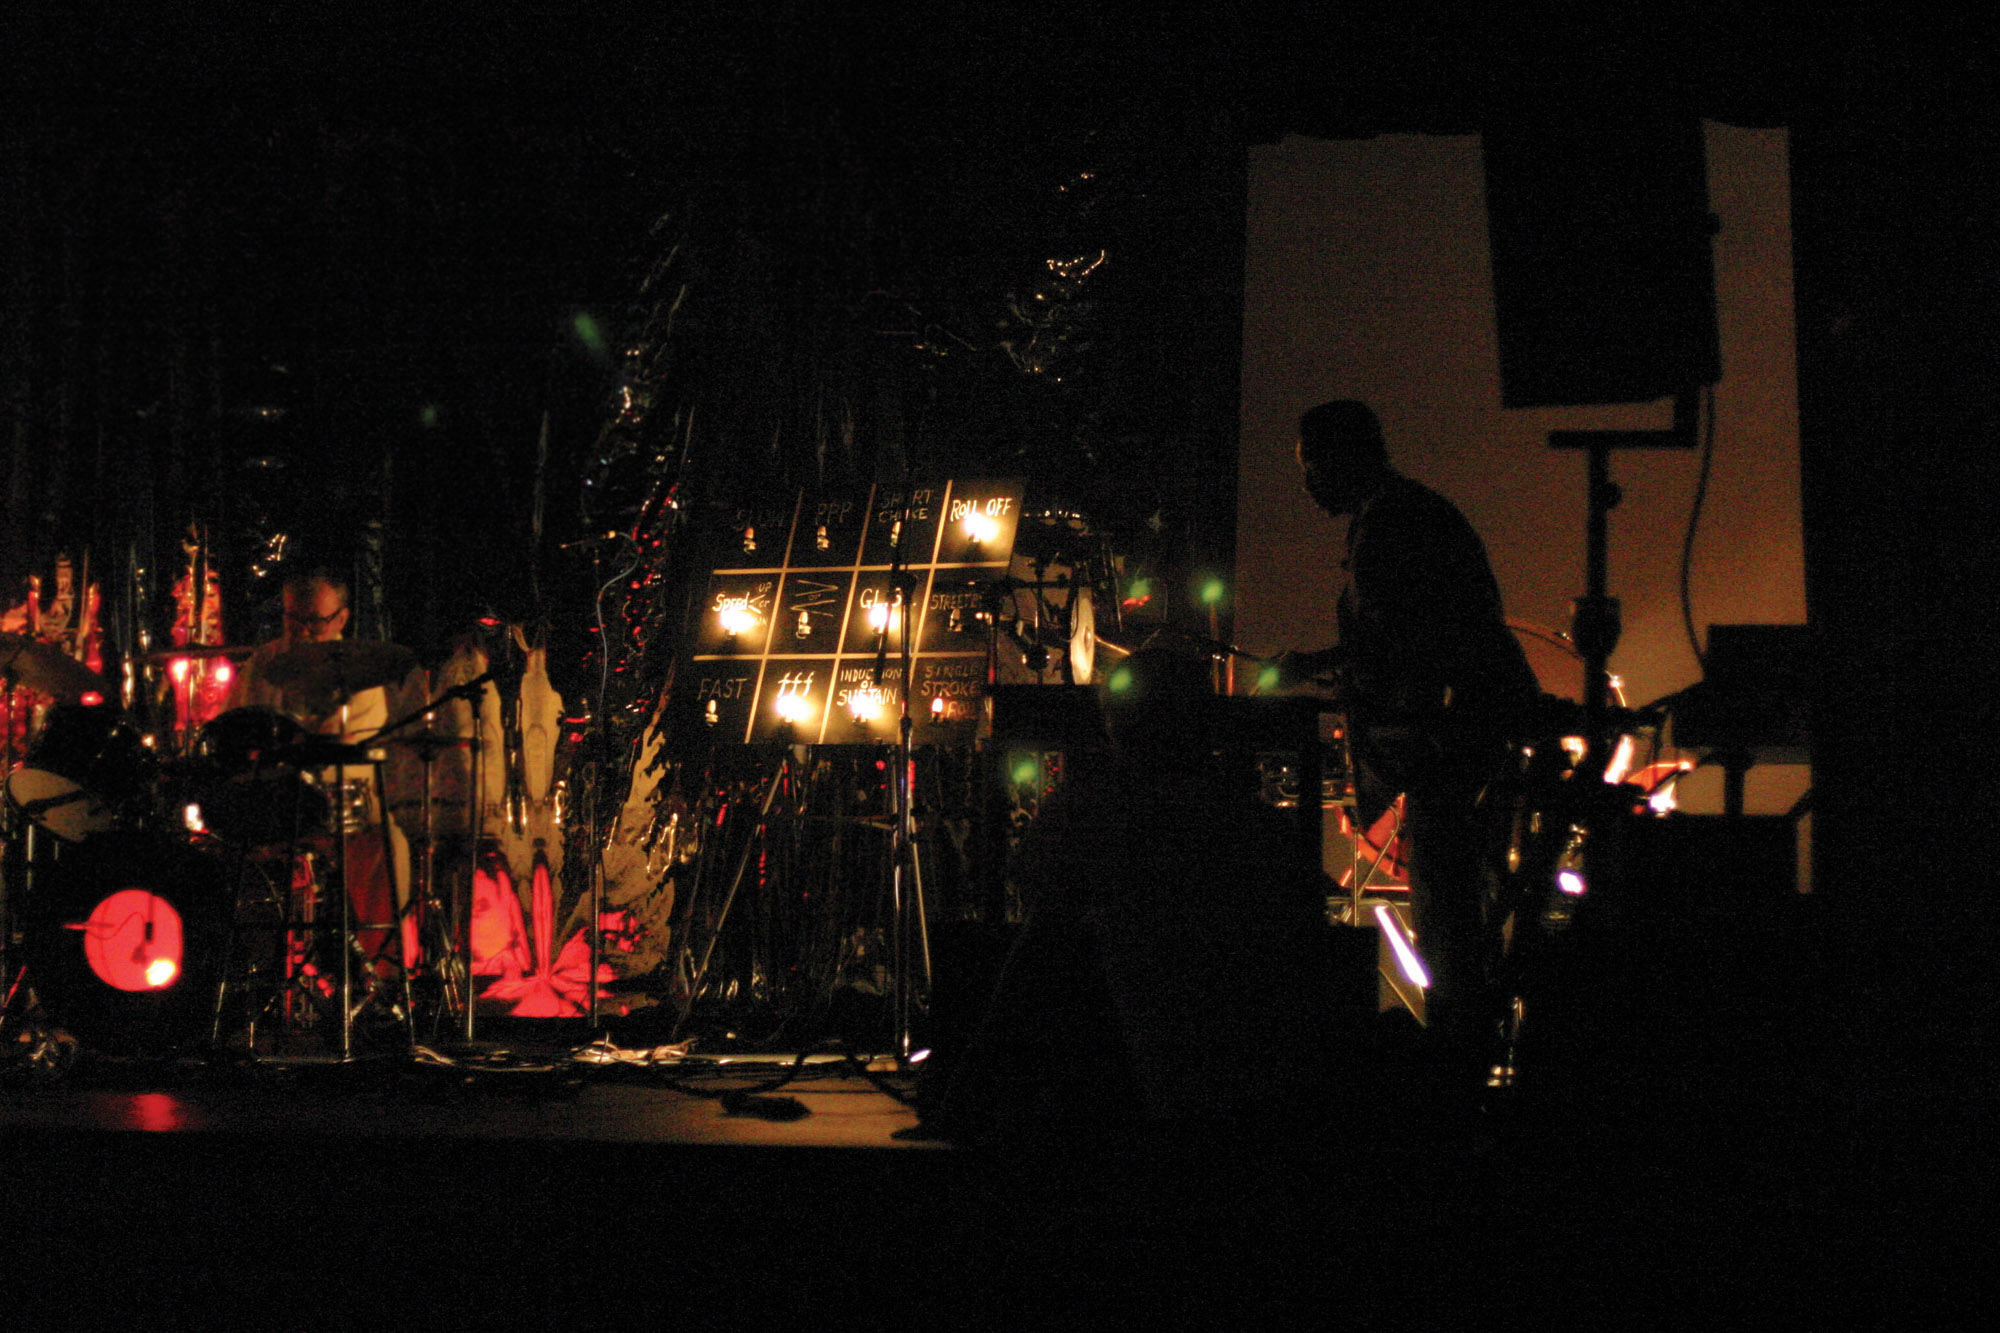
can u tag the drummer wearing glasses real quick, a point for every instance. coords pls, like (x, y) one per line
(337, 690)
(315, 611)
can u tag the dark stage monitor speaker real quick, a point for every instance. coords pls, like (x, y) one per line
(1603, 273)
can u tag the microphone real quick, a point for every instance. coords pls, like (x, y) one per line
(470, 690)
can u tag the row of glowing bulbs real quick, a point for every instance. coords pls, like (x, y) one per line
(738, 619)
(220, 672)
(867, 705)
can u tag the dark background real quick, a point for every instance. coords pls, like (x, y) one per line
(390, 234)
(329, 283)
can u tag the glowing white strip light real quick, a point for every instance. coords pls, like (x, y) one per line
(1621, 760)
(1406, 952)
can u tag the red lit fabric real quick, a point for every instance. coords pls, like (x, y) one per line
(527, 982)
(499, 935)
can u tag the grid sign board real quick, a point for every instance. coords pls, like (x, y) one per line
(801, 637)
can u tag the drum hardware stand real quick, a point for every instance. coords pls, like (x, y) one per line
(239, 871)
(349, 934)
(475, 828)
(13, 841)
(451, 968)
(14, 854)
(450, 932)
(750, 846)
(287, 873)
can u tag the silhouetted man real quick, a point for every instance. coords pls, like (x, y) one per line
(1436, 685)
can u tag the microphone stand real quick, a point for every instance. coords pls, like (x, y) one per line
(906, 881)
(1597, 623)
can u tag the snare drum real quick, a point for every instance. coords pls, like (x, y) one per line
(87, 772)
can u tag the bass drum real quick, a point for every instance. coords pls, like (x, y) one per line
(125, 938)
(88, 772)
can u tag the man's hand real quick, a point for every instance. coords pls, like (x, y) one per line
(1290, 670)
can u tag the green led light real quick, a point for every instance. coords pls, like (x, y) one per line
(1267, 679)
(1026, 771)
(1141, 589)
(1212, 592)
(430, 414)
(587, 330)
(1120, 681)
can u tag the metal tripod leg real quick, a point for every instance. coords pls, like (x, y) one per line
(729, 899)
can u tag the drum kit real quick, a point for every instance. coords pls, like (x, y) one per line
(191, 901)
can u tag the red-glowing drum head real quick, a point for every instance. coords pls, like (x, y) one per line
(133, 941)
(125, 937)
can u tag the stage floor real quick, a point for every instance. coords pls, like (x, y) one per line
(540, 1191)
(507, 1093)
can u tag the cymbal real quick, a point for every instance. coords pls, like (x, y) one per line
(338, 669)
(322, 752)
(423, 741)
(195, 650)
(45, 668)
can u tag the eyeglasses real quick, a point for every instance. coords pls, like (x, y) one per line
(308, 621)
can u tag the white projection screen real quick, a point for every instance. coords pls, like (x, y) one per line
(1367, 276)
